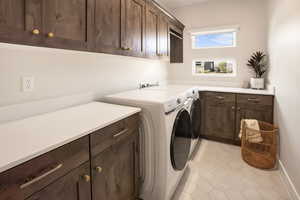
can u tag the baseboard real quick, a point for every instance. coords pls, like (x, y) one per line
(288, 182)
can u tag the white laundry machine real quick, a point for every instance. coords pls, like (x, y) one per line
(192, 93)
(166, 135)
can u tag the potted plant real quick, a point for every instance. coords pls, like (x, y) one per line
(258, 65)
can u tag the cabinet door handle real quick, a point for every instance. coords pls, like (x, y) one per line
(220, 97)
(121, 133)
(253, 100)
(28, 183)
(125, 48)
(50, 35)
(35, 31)
(98, 169)
(86, 178)
(233, 107)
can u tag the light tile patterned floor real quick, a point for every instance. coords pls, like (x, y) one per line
(218, 172)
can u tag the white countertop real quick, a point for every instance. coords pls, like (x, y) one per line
(165, 93)
(181, 88)
(25, 139)
(269, 91)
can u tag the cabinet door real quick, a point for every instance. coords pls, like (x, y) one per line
(115, 171)
(152, 31)
(73, 186)
(259, 112)
(66, 24)
(107, 26)
(18, 19)
(133, 27)
(220, 120)
(163, 36)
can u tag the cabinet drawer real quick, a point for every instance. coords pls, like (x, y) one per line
(219, 97)
(255, 99)
(102, 139)
(35, 174)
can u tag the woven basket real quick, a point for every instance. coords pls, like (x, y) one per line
(261, 155)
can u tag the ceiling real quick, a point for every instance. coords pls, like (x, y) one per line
(172, 4)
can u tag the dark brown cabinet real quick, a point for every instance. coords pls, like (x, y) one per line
(253, 107)
(115, 171)
(107, 26)
(137, 28)
(18, 19)
(50, 23)
(223, 112)
(73, 186)
(65, 23)
(152, 31)
(115, 161)
(220, 120)
(219, 115)
(163, 36)
(103, 165)
(133, 28)
(176, 47)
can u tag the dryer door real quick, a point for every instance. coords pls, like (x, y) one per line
(181, 140)
(196, 118)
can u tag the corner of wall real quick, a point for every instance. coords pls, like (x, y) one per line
(288, 182)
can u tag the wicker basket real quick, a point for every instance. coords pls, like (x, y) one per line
(261, 155)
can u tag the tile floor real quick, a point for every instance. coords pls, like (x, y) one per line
(217, 172)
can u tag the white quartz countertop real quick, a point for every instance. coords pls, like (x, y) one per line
(25, 139)
(269, 91)
(181, 88)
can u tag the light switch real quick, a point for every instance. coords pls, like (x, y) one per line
(27, 83)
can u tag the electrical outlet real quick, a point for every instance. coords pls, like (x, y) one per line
(27, 83)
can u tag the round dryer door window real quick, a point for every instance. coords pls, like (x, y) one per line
(181, 140)
(196, 118)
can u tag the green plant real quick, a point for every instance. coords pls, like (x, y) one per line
(258, 63)
(223, 67)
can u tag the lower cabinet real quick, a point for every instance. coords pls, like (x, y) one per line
(73, 186)
(115, 171)
(253, 107)
(220, 120)
(101, 166)
(223, 112)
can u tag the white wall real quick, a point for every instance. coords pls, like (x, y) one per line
(284, 48)
(60, 73)
(250, 15)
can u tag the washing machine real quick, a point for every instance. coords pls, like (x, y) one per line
(194, 108)
(165, 139)
(195, 114)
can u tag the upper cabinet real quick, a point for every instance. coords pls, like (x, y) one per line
(18, 21)
(133, 27)
(51, 23)
(163, 36)
(65, 23)
(107, 26)
(152, 31)
(137, 28)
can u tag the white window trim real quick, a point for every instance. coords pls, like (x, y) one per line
(205, 31)
(233, 74)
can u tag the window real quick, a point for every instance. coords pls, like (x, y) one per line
(214, 67)
(214, 39)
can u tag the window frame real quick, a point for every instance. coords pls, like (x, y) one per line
(196, 33)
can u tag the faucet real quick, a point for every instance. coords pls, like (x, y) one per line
(146, 85)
